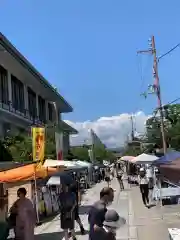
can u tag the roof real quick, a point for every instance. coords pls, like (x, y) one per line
(67, 128)
(25, 63)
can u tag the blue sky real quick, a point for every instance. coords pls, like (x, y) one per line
(88, 49)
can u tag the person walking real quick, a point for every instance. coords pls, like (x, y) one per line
(67, 201)
(108, 176)
(111, 224)
(24, 216)
(144, 188)
(150, 176)
(75, 188)
(98, 210)
(120, 180)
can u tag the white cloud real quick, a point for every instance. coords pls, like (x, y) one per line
(113, 131)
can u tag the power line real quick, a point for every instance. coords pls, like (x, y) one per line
(171, 50)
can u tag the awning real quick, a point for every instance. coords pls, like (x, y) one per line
(144, 159)
(25, 173)
(69, 165)
(60, 178)
(84, 164)
(168, 158)
(127, 158)
(59, 163)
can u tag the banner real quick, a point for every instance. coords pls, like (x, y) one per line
(38, 143)
(59, 145)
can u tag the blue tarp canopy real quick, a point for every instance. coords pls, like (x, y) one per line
(168, 158)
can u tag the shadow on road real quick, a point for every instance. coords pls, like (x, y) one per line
(55, 236)
(84, 209)
(48, 236)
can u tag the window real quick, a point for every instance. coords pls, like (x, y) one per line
(17, 94)
(4, 93)
(42, 109)
(32, 103)
(50, 111)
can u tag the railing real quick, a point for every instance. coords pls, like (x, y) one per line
(24, 113)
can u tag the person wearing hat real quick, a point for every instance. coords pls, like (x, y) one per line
(111, 224)
(98, 210)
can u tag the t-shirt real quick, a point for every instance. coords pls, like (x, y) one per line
(143, 180)
(67, 201)
(96, 216)
(75, 190)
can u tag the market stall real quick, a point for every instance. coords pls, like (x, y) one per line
(26, 173)
(169, 181)
(145, 159)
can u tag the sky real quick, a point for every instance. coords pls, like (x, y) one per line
(88, 50)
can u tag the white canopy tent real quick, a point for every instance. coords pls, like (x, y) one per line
(126, 158)
(84, 164)
(144, 159)
(58, 163)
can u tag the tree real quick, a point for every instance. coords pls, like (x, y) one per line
(131, 150)
(101, 153)
(171, 126)
(20, 145)
(153, 131)
(5, 155)
(80, 152)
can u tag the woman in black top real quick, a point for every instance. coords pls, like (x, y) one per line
(67, 205)
(76, 190)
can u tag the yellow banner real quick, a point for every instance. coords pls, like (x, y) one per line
(38, 143)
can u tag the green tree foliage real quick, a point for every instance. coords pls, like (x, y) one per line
(100, 153)
(19, 147)
(80, 152)
(171, 124)
(5, 155)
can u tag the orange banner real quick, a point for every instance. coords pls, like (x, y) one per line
(38, 143)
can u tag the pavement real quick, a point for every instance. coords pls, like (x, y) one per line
(141, 222)
(52, 230)
(151, 223)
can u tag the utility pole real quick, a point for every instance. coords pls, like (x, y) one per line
(156, 88)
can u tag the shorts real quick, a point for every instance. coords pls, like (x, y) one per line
(107, 179)
(67, 223)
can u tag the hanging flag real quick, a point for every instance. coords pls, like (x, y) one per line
(59, 145)
(38, 143)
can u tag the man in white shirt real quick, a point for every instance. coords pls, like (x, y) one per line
(144, 188)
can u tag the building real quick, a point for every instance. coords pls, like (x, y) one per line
(26, 97)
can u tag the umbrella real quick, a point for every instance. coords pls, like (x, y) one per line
(60, 178)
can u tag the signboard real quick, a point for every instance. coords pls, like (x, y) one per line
(38, 143)
(59, 145)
